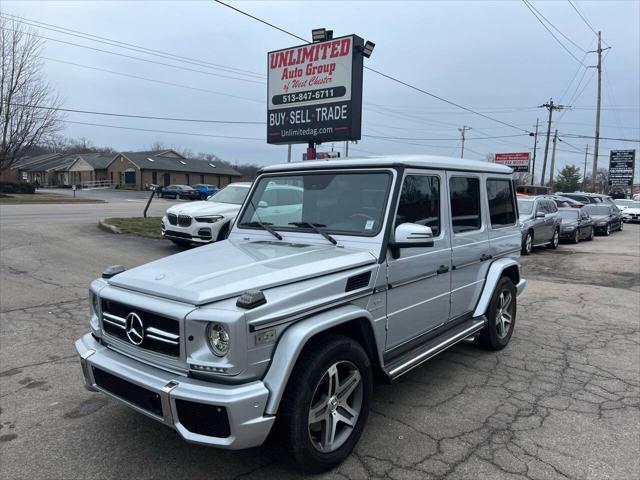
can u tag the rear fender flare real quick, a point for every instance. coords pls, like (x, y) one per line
(493, 277)
(293, 341)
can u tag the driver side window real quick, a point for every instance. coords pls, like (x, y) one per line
(420, 202)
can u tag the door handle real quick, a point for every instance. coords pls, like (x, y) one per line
(484, 257)
(442, 269)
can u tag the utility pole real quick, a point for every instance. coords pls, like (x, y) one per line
(535, 147)
(462, 132)
(553, 158)
(551, 107)
(289, 153)
(346, 149)
(596, 146)
(584, 172)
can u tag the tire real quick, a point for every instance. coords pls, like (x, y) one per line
(592, 234)
(497, 333)
(576, 237)
(178, 197)
(330, 357)
(527, 244)
(555, 240)
(180, 243)
(620, 226)
(223, 233)
(607, 230)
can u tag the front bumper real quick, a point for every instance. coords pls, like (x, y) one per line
(176, 400)
(567, 234)
(196, 232)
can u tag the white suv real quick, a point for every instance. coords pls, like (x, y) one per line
(206, 221)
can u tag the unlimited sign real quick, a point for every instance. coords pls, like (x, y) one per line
(315, 92)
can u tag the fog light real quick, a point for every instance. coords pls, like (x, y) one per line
(218, 339)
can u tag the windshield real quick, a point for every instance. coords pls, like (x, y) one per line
(569, 214)
(525, 207)
(230, 194)
(598, 209)
(349, 203)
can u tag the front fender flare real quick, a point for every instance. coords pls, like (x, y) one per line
(293, 341)
(493, 276)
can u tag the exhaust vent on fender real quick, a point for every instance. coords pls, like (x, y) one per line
(358, 281)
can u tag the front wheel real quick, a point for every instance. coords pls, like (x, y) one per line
(326, 403)
(607, 230)
(501, 316)
(527, 245)
(620, 226)
(555, 240)
(592, 234)
(576, 237)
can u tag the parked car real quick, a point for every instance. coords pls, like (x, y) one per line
(603, 198)
(618, 194)
(381, 265)
(539, 223)
(584, 198)
(206, 190)
(533, 190)
(605, 218)
(205, 221)
(179, 192)
(564, 202)
(576, 225)
(631, 212)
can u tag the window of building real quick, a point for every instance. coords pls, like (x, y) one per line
(501, 204)
(154, 177)
(130, 177)
(420, 202)
(201, 178)
(464, 195)
(186, 179)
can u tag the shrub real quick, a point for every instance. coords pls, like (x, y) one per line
(16, 187)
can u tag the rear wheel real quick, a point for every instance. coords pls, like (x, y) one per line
(178, 196)
(555, 240)
(501, 316)
(326, 403)
(592, 234)
(620, 226)
(527, 245)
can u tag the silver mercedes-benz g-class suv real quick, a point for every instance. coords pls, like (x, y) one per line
(359, 266)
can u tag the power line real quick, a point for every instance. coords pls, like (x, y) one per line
(555, 28)
(164, 131)
(449, 139)
(110, 114)
(585, 21)
(140, 59)
(388, 77)
(162, 82)
(130, 46)
(550, 32)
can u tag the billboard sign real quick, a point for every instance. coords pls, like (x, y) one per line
(518, 161)
(315, 92)
(621, 167)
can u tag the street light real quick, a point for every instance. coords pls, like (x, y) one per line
(321, 34)
(367, 50)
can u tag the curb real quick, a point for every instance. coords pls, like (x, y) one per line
(107, 227)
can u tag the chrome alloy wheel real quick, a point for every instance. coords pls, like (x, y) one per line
(504, 313)
(556, 239)
(335, 406)
(528, 245)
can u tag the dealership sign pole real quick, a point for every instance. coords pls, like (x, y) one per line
(315, 91)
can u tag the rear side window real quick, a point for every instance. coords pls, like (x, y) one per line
(420, 202)
(464, 195)
(502, 209)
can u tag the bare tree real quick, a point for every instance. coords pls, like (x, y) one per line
(23, 88)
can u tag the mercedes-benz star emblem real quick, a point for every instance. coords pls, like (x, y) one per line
(135, 328)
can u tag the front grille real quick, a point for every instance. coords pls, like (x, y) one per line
(203, 419)
(154, 332)
(141, 397)
(184, 220)
(173, 218)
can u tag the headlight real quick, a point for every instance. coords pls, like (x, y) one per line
(569, 229)
(218, 339)
(95, 303)
(601, 224)
(209, 219)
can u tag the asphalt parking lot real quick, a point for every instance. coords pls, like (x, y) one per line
(561, 401)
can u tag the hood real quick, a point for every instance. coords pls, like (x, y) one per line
(634, 211)
(595, 218)
(204, 208)
(228, 268)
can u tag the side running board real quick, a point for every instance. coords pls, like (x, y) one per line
(429, 349)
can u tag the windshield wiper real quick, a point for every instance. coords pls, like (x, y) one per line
(314, 227)
(264, 226)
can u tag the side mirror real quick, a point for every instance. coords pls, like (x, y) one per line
(540, 215)
(410, 235)
(262, 204)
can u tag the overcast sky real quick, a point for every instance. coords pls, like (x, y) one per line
(491, 56)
